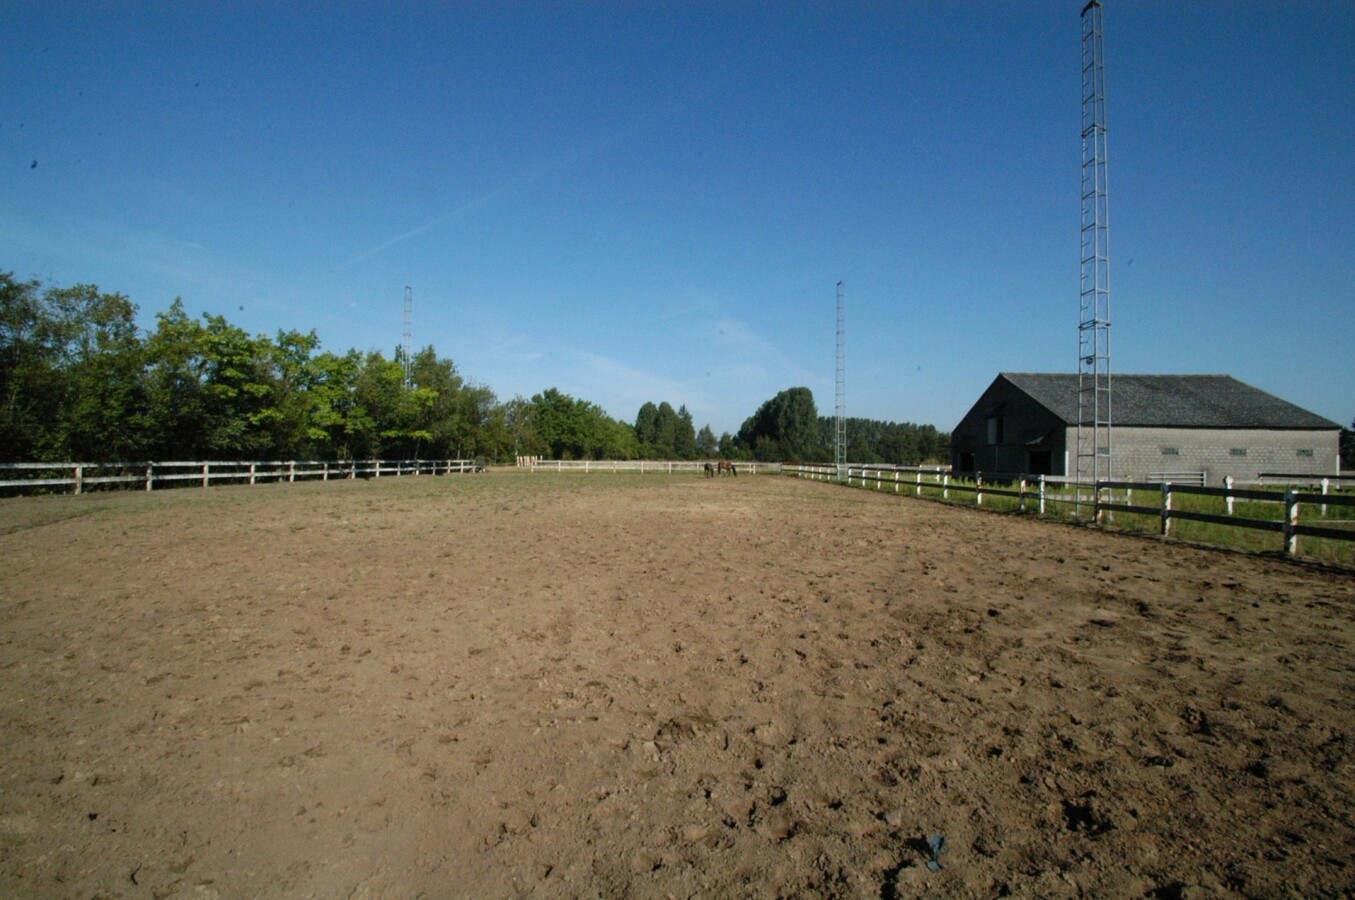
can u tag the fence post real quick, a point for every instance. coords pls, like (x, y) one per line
(1041, 495)
(1166, 507)
(1021, 489)
(919, 482)
(291, 470)
(1228, 500)
(150, 475)
(251, 473)
(978, 488)
(79, 478)
(1291, 521)
(896, 481)
(945, 486)
(1326, 483)
(206, 475)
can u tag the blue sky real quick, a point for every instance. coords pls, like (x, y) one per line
(644, 201)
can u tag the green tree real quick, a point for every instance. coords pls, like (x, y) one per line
(70, 365)
(786, 427)
(237, 391)
(558, 420)
(706, 443)
(449, 422)
(896, 443)
(647, 428)
(519, 422)
(684, 439)
(30, 383)
(338, 423)
(294, 377)
(567, 428)
(175, 371)
(78, 380)
(494, 441)
(400, 416)
(614, 440)
(665, 432)
(106, 408)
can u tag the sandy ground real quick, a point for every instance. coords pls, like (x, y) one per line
(617, 686)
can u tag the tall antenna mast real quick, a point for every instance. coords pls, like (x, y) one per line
(1093, 381)
(840, 424)
(405, 340)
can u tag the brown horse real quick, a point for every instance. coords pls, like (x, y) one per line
(727, 466)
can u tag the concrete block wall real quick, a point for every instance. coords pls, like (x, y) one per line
(1139, 452)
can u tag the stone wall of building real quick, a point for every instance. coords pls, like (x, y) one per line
(1142, 454)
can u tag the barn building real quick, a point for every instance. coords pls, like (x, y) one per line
(1189, 427)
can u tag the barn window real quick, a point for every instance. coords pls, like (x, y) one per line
(995, 435)
(1306, 454)
(1171, 451)
(1238, 451)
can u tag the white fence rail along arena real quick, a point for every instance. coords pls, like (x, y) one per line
(81, 476)
(1327, 511)
(641, 466)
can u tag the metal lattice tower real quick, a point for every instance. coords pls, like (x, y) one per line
(1093, 383)
(405, 339)
(840, 422)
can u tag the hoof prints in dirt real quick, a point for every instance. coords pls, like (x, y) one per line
(660, 689)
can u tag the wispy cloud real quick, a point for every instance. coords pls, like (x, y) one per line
(520, 182)
(517, 183)
(464, 209)
(625, 385)
(136, 254)
(737, 340)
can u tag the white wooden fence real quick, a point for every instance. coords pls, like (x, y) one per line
(640, 466)
(1034, 493)
(1288, 504)
(79, 477)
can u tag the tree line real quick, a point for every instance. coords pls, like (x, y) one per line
(789, 428)
(80, 381)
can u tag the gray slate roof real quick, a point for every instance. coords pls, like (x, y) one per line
(1173, 401)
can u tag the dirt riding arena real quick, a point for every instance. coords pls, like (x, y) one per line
(544, 685)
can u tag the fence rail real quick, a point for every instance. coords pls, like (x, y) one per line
(641, 466)
(1034, 493)
(1288, 502)
(80, 476)
(1345, 479)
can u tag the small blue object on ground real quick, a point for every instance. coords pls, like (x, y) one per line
(937, 845)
